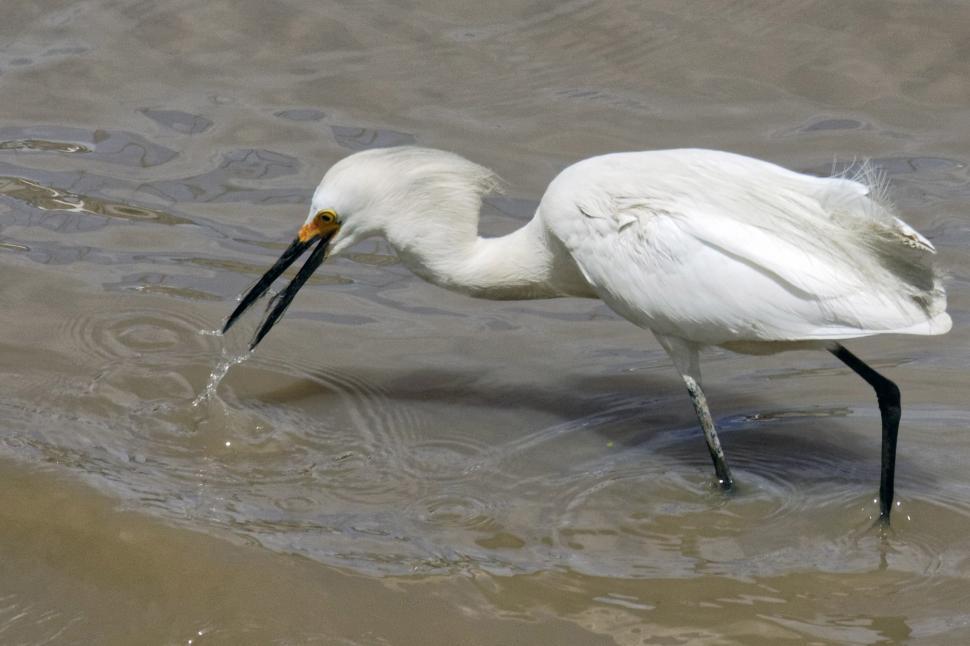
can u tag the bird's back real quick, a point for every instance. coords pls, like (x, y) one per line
(720, 248)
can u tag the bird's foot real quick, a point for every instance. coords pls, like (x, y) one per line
(725, 485)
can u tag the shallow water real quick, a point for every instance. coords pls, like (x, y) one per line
(401, 465)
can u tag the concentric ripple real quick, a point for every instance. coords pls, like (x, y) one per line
(148, 336)
(455, 510)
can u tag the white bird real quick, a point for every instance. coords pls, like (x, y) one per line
(702, 248)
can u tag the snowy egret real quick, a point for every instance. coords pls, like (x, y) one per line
(703, 248)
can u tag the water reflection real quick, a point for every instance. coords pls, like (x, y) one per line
(111, 146)
(45, 198)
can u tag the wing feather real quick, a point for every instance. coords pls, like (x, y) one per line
(767, 253)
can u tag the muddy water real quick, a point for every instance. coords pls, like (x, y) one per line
(401, 465)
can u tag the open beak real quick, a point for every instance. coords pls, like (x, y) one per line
(278, 304)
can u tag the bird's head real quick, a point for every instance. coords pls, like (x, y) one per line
(352, 201)
(341, 213)
(388, 191)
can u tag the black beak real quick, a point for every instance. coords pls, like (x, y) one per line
(277, 306)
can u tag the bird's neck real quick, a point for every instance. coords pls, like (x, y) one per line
(521, 265)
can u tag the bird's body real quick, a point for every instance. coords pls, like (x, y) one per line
(718, 249)
(701, 247)
(709, 246)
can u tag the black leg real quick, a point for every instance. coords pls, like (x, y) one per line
(710, 432)
(887, 394)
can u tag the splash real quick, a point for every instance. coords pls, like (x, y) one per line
(217, 375)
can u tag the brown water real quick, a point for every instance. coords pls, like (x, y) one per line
(400, 465)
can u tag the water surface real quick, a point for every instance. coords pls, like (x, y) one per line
(401, 465)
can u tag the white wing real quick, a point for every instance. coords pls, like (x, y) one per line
(717, 248)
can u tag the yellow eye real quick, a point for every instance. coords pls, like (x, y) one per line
(326, 217)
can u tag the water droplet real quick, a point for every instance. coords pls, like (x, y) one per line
(215, 378)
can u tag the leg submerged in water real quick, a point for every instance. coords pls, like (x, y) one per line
(685, 358)
(710, 432)
(887, 395)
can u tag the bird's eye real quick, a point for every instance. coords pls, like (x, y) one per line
(327, 217)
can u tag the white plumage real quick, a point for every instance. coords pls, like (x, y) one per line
(718, 248)
(706, 245)
(701, 247)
